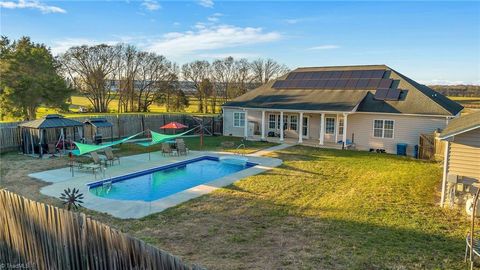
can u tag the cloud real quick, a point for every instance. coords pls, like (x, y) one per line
(32, 4)
(448, 82)
(151, 5)
(206, 3)
(291, 21)
(324, 47)
(210, 38)
(215, 17)
(61, 46)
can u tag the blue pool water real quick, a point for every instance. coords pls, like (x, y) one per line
(163, 181)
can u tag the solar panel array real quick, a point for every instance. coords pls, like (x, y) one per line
(387, 94)
(348, 79)
(366, 84)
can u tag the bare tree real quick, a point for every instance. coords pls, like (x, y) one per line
(266, 70)
(90, 68)
(196, 72)
(243, 78)
(223, 72)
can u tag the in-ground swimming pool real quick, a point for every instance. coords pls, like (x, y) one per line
(156, 183)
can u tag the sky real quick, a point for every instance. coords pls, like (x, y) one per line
(431, 42)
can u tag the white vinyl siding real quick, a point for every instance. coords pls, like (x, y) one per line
(383, 128)
(238, 119)
(464, 153)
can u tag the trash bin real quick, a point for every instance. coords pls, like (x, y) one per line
(416, 151)
(402, 149)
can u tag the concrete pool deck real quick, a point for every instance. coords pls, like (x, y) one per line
(62, 179)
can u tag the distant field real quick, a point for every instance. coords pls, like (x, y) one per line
(471, 104)
(80, 101)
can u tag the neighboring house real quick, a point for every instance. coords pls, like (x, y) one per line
(373, 107)
(462, 152)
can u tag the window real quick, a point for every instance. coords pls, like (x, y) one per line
(293, 122)
(272, 121)
(238, 119)
(340, 126)
(329, 125)
(305, 127)
(383, 128)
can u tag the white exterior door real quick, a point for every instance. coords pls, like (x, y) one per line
(305, 127)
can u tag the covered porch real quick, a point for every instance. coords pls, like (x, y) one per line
(320, 129)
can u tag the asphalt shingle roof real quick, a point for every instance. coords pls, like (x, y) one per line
(461, 124)
(98, 122)
(51, 121)
(414, 99)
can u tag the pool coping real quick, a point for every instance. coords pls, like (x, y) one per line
(137, 209)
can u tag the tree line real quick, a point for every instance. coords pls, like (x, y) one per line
(33, 77)
(458, 90)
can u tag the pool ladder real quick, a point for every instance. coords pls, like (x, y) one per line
(237, 150)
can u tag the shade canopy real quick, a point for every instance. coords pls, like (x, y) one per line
(159, 138)
(173, 125)
(87, 148)
(51, 121)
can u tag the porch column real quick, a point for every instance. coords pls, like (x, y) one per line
(300, 128)
(445, 172)
(337, 128)
(263, 125)
(344, 139)
(322, 129)
(245, 128)
(281, 126)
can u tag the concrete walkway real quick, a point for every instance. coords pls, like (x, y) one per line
(270, 150)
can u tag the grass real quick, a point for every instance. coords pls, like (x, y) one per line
(321, 209)
(471, 104)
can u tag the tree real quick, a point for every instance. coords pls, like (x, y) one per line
(196, 72)
(91, 69)
(266, 70)
(209, 91)
(223, 72)
(29, 78)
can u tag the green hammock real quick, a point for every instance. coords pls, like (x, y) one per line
(159, 138)
(87, 148)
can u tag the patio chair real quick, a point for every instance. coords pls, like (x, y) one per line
(96, 159)
(110, 156)
(52, 150)
(166, 149)
(181, 147)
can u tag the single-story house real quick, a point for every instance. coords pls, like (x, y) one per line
(462, 152)
(372, 107)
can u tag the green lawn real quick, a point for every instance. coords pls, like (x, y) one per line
(321, 209)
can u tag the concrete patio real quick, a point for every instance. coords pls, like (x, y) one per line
(62, 179)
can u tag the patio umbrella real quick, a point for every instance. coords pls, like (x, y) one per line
(174, 126)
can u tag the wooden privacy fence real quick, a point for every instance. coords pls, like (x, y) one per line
(46, 237)
(430, 147)
(123, 125)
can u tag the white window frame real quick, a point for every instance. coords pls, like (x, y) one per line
(292, 116)
(383, 129)
(274, 122)
(238, 122)
(341, 124)
(333, 127)
(306, 126)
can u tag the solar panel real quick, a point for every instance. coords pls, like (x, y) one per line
(373, 83)
(381, 94)
(367, 74)
(278, 84)
(393, 94)
(308, 76)
(356, 74)
(362, 84)
(346, 74)
(341, 84)
(331, 84)
(385, 83)
(351, 84)
(321, 84)
(311, 84)
(336, 74)
(378, 74)
(316, 75)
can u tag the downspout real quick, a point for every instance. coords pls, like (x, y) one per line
(445, 171)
